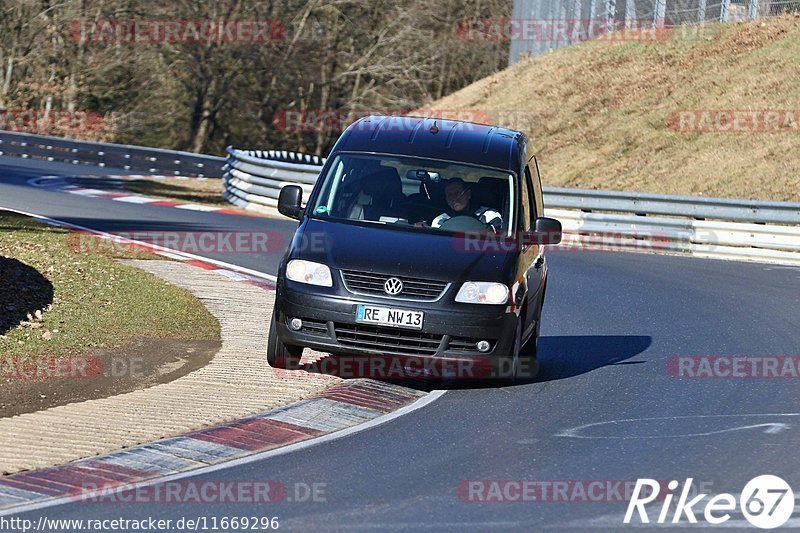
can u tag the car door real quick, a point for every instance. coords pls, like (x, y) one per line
(529, 251)
(534, 256)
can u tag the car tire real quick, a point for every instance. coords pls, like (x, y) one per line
(504, 365)
(527, 366)
(280, 355)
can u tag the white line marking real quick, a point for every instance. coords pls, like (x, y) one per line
(260, 456)
(232, 275)
(88, 192)
(772, 427)
(135, 199)
(196, 207)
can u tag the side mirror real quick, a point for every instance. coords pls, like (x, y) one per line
(289, 201)
(547, 230)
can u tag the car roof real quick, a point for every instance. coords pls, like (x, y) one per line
(434, 138)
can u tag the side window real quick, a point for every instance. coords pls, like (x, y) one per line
(538, 197)
(531, 195)
(525, 215)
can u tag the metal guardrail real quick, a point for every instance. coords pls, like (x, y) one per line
(744, 230)
(678, 206)
(685, 236)
(127, 157)
(253, 179)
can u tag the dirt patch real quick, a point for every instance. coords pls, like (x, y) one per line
(33, 384)
(208, 192)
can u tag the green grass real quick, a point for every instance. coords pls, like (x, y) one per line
(97, 302)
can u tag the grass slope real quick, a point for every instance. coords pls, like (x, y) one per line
(601, 111)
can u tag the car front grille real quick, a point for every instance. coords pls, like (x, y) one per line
(413, 288)
(387, 340)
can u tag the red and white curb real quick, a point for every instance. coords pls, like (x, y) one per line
(66, 184)
(353, 405)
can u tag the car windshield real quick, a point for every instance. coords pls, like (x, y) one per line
(429, 195)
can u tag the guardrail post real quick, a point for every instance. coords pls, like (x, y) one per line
(611, 14)
(572, 20)
(630, 14)
(592, 14)
(660, 13)
(552, 10)
(725, 11)
(752, 10)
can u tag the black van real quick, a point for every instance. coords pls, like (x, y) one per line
(422, 241)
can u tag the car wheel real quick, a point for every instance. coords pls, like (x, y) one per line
(503, 366)
(531, 347)
(280, 355)
(527, 364)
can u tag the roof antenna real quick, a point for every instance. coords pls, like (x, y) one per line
(434, 128)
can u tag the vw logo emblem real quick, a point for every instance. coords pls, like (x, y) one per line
(393, 286)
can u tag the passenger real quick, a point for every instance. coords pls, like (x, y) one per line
(458, 197)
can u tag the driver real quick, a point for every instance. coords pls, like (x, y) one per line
(458, 197)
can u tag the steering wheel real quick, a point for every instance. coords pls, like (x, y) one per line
(463, 223)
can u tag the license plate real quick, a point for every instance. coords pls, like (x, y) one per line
(385, 316)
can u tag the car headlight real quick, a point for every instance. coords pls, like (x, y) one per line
(309, 272)
(482, 292)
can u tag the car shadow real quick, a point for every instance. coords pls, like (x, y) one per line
(569, 356)
(23, 290)
(563, 357)
(560, 357)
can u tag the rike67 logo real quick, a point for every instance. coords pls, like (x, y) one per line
(766, 502)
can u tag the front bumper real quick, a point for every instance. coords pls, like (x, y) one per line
(450, 330)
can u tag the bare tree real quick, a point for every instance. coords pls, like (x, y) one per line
(327, 58)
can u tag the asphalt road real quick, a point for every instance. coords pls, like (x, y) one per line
(612, 324)
(121, 217)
